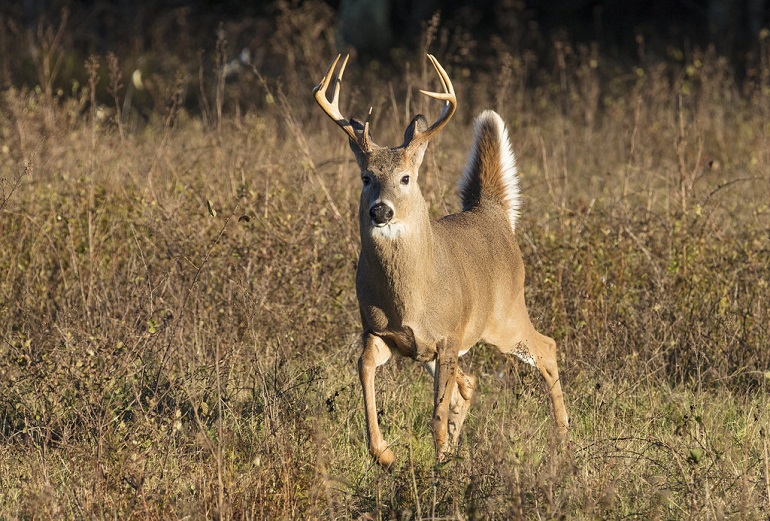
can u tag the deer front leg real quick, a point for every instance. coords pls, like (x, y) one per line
(445, 382)
(376, 352)
(460, 402)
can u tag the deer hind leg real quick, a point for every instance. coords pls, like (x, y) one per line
(375, 353)
(540, 351)
(544, 353)
(459, 405)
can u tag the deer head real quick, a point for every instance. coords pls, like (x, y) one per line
(391, 201)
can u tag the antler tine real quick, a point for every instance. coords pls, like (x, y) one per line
(333, 109)
(365, 136)
(448, 97)
(442, 75)
(319, 91)
(338, 82)
(449, 92)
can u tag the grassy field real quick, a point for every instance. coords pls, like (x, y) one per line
(179, 329)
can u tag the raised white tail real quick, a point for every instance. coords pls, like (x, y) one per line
(491, 170)
(431, 290)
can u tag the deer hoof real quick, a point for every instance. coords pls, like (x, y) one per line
(444, 454)
(384, 456)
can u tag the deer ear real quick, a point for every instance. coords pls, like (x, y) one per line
(415, 128)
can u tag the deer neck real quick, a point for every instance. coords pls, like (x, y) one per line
(397, 263)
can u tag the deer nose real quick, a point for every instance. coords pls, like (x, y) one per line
(381, 213)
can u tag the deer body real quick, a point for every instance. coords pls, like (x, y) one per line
(431, 290)
(424, 286)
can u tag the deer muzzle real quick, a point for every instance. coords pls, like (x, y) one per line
(381, 214)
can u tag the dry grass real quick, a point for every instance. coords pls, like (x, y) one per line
(178, 325)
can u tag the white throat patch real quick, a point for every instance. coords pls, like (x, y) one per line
(388, 231)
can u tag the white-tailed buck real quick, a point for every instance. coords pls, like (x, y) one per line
(431, 290)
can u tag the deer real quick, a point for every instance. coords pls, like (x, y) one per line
(429, 289)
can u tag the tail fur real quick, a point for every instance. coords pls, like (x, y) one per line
(491, 172)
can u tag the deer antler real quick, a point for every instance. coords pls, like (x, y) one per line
(333, 109)
(450, 104)
(361, 136)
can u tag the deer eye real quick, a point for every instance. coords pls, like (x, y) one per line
(366, 180)
(405, 180)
